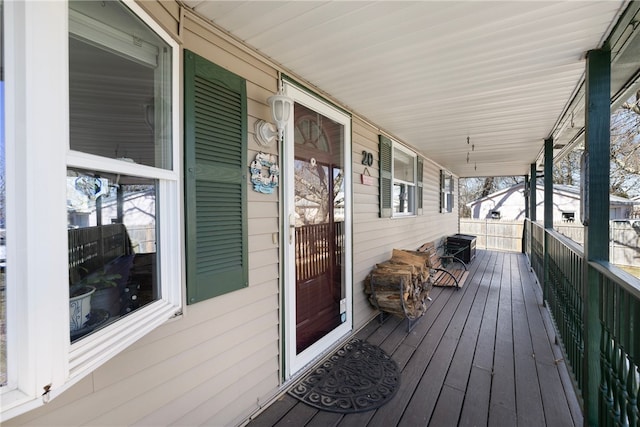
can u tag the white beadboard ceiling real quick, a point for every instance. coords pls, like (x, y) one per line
(432, 73)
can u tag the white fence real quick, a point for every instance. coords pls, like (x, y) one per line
(495, 235)
(498, 235)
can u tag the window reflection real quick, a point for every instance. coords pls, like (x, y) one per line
(404, 182)
(112, 247)
(119, 97)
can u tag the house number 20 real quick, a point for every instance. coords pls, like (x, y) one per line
(367, 158)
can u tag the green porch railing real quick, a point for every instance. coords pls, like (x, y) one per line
(563, 292)
(536, 256)
(619, 345)
(564, 298)
(619, 317)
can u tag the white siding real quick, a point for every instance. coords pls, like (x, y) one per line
(374, 238)
(221, 360)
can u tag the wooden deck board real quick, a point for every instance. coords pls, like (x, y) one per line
(502, 408)
(527, 384)
(481, 355)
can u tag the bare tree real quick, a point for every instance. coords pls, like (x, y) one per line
(625, 149)
(567, 170)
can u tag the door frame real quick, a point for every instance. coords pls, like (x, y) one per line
(293, 362)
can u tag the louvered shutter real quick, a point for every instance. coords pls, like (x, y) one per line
(419, 184)
(450, 195)
(443, 194)
(216, 183)
(385, 177)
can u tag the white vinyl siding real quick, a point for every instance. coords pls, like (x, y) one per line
(375, 237)
(37, 156)
(221, 360)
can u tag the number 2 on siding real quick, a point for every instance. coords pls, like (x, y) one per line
(367, 158)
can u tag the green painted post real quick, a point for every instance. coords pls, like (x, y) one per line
(597, 134)
(548, 183)
(533, 203)
(548, 211)
(527, 190)
(527, 209)
(532, 195)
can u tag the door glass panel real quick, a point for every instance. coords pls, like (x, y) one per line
(319, 222)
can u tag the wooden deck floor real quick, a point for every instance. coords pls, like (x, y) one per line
(481, 356)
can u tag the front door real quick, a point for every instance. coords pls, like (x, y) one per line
(318, 281)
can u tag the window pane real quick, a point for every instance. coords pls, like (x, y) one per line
(403, 166)
(119, 92)
(112, 222)
(403, 198)
(404, 180)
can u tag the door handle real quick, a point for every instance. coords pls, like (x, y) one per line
(292, 227)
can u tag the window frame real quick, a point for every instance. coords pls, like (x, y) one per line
(412, 185)
(446, 194)
(37, 149)
(386, 147)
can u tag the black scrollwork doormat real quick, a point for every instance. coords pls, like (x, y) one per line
(356, 378)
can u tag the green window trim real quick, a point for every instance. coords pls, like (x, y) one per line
(215, 139)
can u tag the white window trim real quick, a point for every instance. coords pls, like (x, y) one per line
(37, 154)
(414, 184)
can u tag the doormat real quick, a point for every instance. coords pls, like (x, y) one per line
(356, 378)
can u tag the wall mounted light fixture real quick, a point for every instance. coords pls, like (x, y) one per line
(280, 105)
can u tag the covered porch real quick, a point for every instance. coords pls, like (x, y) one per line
(486, 354)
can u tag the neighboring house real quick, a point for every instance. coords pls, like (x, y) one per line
(509, 204)
(636, 207)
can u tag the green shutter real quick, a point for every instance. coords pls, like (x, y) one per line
(442, 193)
(451, 190)
(215, 140)
(385, 177)
(419, 184)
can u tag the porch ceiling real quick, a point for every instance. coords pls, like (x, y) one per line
(434, 73)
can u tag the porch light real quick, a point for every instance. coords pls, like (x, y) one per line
(280, 113)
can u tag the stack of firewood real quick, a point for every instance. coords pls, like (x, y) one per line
(401, 285)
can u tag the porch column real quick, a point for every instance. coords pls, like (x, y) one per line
(533, 192)
(548, 183)
(596, 225)
(527, 189)
(532, 195)
(527, 209)
(548, 209)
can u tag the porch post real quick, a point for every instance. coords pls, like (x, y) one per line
(548, 210)
(527, 215)
(533, 183)
(596, 226)
(548, 183)
(533, 191)
(527, 189)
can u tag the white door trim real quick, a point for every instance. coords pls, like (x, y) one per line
(295, 362)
